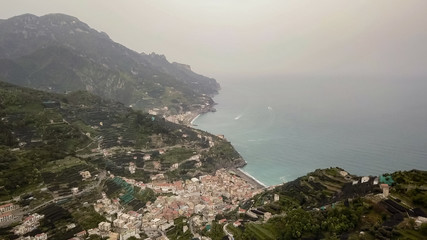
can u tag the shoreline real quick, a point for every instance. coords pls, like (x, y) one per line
(189, 118)
(239, 172)
(249, 178)
(194, 119)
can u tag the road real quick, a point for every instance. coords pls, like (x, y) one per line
(230, 236)
(195, 235)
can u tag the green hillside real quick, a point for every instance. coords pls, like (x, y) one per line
(325, 204)
(47, 139)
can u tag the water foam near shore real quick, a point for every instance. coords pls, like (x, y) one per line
(251, 177)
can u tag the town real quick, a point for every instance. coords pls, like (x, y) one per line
(202, 198)
(198, 199)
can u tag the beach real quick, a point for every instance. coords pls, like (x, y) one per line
(194, 119)
(248, 178)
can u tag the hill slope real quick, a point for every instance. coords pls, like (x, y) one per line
(330, 203)
(39, 130)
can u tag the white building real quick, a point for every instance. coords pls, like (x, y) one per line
(85, 175)
(6, 217)
(8, 207)
(119, 223)
(41, 236)
(364, 179)
(104, 226)
(132, 167)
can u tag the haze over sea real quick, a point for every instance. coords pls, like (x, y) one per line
(285, 127)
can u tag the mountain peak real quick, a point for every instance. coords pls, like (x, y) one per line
(158, 56)
(181, 65)
(51, 16)
(25, 17)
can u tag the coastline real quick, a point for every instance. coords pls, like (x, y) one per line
(194, 119)
(239, 172)
(188, 118)
(249, 178)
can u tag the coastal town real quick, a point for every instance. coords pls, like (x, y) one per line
(158, 165)
(204, 197)
(99, 141)
(199, 200)
(190, 204)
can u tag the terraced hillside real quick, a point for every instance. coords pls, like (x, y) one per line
(330, 203)
(47, 140)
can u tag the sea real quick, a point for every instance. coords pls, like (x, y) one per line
(287, 126)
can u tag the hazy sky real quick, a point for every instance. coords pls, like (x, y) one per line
(248, 37)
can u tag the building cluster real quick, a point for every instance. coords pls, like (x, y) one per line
(179, 118)
(85, 175)
(79, 236)
(29, 224)
(132, 167)
(40, 236)
(126, 225)
(8, 207)
(7, 213)
(206, 196)
(130, 221)
(107, 207)
(121, 225)
(384, 182)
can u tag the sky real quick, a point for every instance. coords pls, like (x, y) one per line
(270, 37)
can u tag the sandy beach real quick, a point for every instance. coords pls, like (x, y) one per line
(194, 119)
(250, 179)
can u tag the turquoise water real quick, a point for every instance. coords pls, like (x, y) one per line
(286, 127)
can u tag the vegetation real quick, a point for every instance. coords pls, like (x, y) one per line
(215, 231)
(146, 195)
(86, 217)
(177, 232)
(411, 187)
(46, 138)
(325, 205)
(176, 155)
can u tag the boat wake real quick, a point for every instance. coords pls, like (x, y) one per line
(238, 117)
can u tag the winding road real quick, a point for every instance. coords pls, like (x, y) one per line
(230, 236)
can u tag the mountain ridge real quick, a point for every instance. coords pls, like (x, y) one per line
(96, 63)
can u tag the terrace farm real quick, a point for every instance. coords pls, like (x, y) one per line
(64, 145)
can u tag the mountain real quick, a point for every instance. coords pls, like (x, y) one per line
(59, 53)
